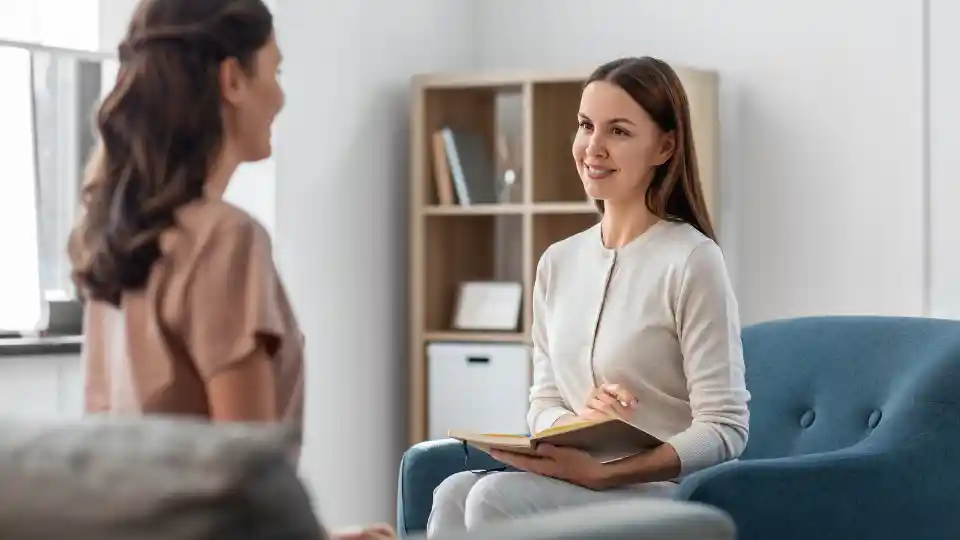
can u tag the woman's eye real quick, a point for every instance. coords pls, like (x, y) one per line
(584, 124)
(618, 131)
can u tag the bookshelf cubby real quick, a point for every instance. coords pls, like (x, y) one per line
(554, 122)
(460, 248)
(525, 123)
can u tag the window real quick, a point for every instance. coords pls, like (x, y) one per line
(72, 24)
(47, 103)
(67, 90)
(41, 104)
(20, 296)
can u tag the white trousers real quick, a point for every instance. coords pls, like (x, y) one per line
(467, 500)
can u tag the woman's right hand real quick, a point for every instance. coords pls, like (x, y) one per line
(609, 400)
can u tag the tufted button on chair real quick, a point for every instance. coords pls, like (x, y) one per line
(854, 434)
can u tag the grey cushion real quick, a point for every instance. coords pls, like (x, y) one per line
(158, 478)
(637, 519)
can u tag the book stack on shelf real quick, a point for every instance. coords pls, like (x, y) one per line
(493, 184)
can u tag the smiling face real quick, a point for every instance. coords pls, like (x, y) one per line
(618, 145)
(253, 99)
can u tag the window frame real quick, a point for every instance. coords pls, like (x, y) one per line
(69, 178)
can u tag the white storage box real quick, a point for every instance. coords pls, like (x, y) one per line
(480, 387)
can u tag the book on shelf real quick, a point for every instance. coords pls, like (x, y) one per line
(441, 170)
(463, 167)
(606, 439)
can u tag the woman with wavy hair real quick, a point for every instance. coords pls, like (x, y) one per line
(185, 313)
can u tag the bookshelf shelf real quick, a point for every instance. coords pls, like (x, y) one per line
(474, 210)
(564, 208)
(500, 127)
(509, 209)
(477, 337)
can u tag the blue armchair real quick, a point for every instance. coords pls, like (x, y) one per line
(854, 433)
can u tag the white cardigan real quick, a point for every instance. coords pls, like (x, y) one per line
(657, 316)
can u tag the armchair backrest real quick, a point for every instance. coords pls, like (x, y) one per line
(826, 383)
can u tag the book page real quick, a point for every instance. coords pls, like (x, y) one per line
(493, 439)
(564, 428)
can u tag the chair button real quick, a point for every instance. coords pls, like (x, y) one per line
(806, 420)
(874, 419)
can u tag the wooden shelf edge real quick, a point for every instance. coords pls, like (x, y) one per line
(517, 78)
(564, 208)
(503, 79)
(474, 210)
(481, 337)
(572, 208)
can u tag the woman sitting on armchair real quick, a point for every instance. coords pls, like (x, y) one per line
(634, 317)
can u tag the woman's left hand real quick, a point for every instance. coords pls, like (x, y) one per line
(571, 465)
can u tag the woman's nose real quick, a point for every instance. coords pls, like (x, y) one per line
(595, 146)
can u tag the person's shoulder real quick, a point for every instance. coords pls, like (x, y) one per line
(572, 247)
(682, 241)
(686, 247)
(211, 228)
(214, 220)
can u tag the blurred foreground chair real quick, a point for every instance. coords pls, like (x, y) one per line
(151, 479)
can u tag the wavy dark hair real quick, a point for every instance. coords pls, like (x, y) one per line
(160, 132)
(675, 192)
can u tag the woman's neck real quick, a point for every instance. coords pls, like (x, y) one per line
(623, 222)
(221, 173)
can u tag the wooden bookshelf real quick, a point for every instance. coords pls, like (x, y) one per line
(502, 241)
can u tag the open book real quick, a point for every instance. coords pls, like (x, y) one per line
(606, 440)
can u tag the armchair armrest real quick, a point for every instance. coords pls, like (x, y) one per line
(423, 467)
(849, 493)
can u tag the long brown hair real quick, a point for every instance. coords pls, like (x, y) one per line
(160, 132)
(674, 193)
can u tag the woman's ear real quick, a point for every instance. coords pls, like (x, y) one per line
(233, 82)
(666, 148)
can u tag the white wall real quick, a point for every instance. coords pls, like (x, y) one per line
(822, 152)
(54, 23)
(114, 15)
(341, 241)
(41, 387)
(944, 159)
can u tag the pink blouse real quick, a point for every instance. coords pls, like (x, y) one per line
(212, 295)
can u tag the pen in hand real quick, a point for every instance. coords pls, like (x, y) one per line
(611, 400)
